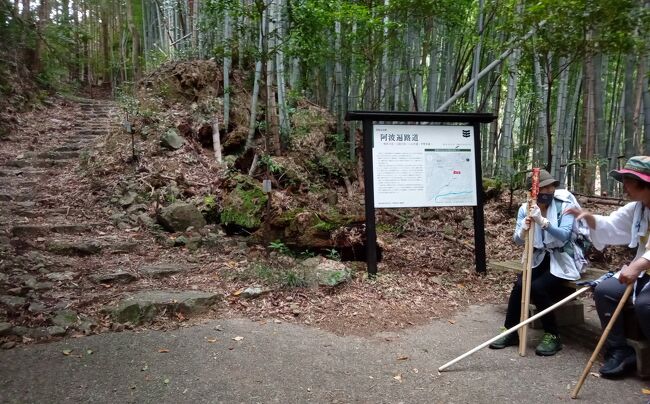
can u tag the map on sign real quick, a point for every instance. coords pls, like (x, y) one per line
(448, 170)
(423, 165)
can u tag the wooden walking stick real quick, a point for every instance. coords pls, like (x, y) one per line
(526, 274)
(515, 328)
(603, 338)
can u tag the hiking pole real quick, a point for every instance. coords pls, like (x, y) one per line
(526, 276)
(603, 338)
(516, 327)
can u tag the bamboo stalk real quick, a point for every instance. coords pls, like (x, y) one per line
(516, 327)
(526, 281)
(603, 338)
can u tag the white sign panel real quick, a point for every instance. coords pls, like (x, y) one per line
(423, 165)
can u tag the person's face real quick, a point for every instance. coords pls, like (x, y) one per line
(549, 189)
(635, 190)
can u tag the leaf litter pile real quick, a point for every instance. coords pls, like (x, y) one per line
(426, 272)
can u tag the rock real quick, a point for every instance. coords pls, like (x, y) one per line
(137, 208)
(181, 241)
(172, 140)
(82, 248)
(8, 345)
(128, 199)
(65, 318)
(146, 220)
(30, 231)
(14, 302)
(5, 329)
(5, 197)
(145, 306)
(19, 291)
(60, 276)
(55, 331)
(36, 308)
(179, 216)
(29, 332)
(117, 218)
(324, 272)
(43, 286)
(115, 277)
(252, 292)
(160, 270)
(87, 325)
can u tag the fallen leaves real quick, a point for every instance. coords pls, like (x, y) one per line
(163, 350)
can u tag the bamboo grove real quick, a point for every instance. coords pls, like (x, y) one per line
(568, 79)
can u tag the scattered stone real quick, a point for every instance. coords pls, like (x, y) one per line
(146, 220)
(181, 241)
(128, 199)
(115, 277)
(252, 292)
(8, 345)
(179, 216)
(14, 302)
(55, 331)
(5, 329)
(29, 332)
(140, 207)
(81, 248)
(160, 270)
(37, 307)
(30, 230)
(60, 276)
(123, 247)
(4, 197)
(65, 318)
(70, 228)
(87, 325)
(324, 272)
(145, 306)
(172, 140)
(42, 286)
(19, 291)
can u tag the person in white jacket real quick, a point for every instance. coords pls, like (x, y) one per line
(553, 260)
(627, 225)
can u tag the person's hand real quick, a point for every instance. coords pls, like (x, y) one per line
(536, 215)
(582, 214)
(629, 274)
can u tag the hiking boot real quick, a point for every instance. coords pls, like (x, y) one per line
(549, 346)
(508, 340)
(618, 361)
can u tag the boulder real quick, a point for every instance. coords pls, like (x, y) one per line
(172, 140)
(160, 270)
(323, 272)
(145, 306)
(115, 277)
(179, 216)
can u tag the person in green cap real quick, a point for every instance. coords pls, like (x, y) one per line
(627, 225)
(553, 260)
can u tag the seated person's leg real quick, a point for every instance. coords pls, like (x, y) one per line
(618, 355)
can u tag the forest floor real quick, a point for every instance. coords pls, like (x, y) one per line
(59, 235)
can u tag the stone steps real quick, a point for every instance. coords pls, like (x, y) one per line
(39, 230)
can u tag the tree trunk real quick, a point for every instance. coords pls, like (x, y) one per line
(628, 119)
(227, 61)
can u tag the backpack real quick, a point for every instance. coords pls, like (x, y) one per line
(580, 241)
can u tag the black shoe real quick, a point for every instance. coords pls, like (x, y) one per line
(508, 340)
(618, 361)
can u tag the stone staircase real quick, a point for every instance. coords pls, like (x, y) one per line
(60, 256)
